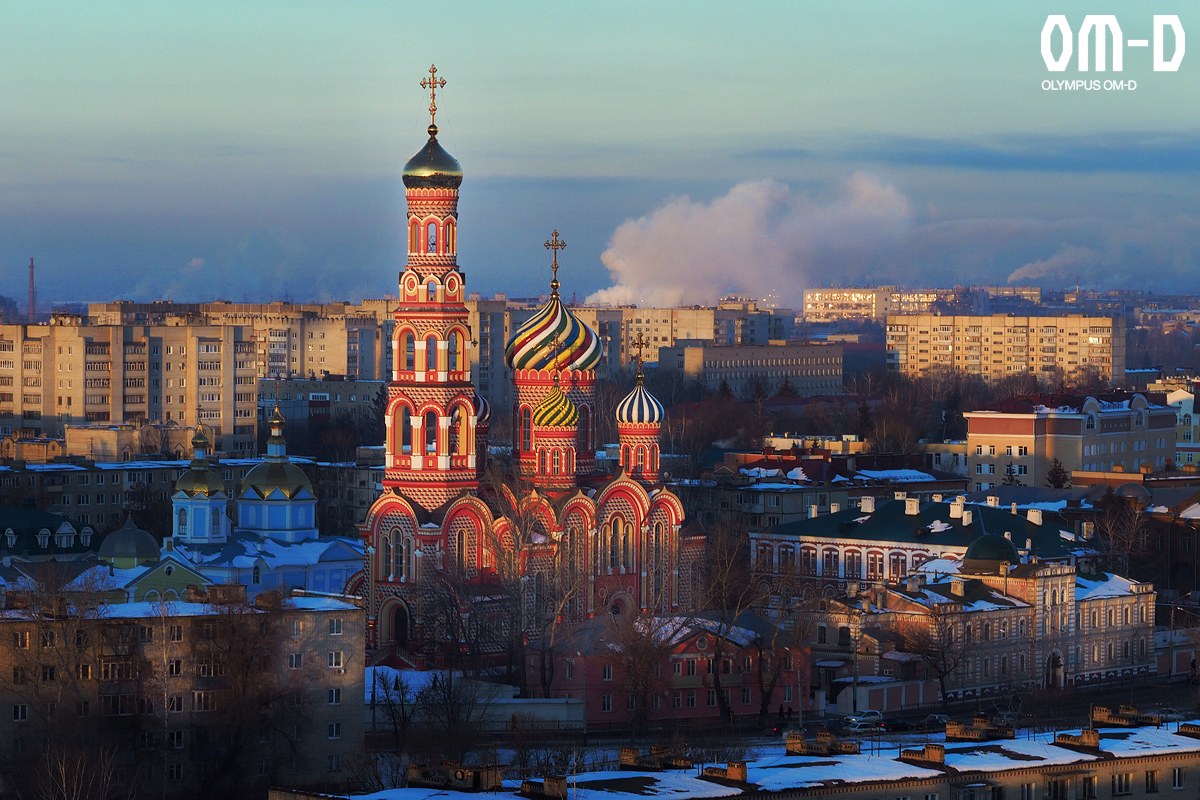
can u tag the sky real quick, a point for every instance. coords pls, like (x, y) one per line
(252, 151)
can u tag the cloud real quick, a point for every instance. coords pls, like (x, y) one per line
(196, 262)
(759, 238)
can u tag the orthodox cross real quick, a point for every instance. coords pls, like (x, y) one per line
(554, 243)
(432, 83)
(639, 343)
(556, 345)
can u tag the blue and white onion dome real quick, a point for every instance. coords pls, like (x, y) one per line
(483, 410)
(640, 408)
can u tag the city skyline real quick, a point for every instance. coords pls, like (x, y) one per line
(254, 153)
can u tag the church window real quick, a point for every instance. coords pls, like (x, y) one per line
(431, 291)
(256, 575)
(433, 237)
(409, 352)
(641, 459)
(626, 458)
(400, 565)
(431, 354)
(387, 556)
(627, 548)
(182, 522)
(452, 353)
(653, 458)
(557, 461)
(658, 542)
(216, 523)
(414, 231)
(456, 431)
(449, 237)
(614, 545)
(525, 426)
(541, 462)
(405, 430)
(431, 426)
(569, 461)
(583, 432)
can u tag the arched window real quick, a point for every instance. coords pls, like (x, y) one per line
(658, 542)
(614, 545)
(641, 459)
(557, 461)
(431, 291)
(387, 556)
(627, 548)
(582, 436)
(431, 426)
(525, 429)
(182, 522)
(1090, 422)
(432, 231)
(431, 354)
(216, 522)
(1142, 614)
(1110, 617)
(1125, 616)
(568, 462)
(414, 232)
(626, 457)
(410, 356)
(1021, 628)
(256, 575)
(1139, 419)
(653, 458)
(452, 353)
(405, 430)
(400, 565)
(457, 432)
(541, 462)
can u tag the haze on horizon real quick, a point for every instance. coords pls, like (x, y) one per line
(684, 150)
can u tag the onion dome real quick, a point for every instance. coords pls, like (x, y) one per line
(640, 407)
(533, 345)
(556, 410)
(199, 479)
(1133, 490)
(432, 167)
(276, 472)
(483, 410)
(129, 542)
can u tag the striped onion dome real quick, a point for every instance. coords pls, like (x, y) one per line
(483, 410)
(533, 347)
(556, 410)
(640, 407)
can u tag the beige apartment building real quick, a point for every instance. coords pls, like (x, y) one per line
(311, 340)
(810, 368)
(72, 372)
(1108, 432)
(998, 346)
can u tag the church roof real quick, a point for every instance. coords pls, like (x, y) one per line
(533, 345)
(283, 476)
(130, 541)
(640, 407)
(556, 410)
(432, 167)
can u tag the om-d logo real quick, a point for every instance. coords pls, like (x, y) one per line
(1100, 25)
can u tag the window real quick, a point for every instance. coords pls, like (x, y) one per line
(335, 730)
(747, 696)
(1177, 778)
(175, 667)
(295, 661)
(1028, 791)
(21, 640)
(335, 626)
(335, 697)
(335, 659)
(176, 633)
(1088, 787)
(606, 702)
(175, 704)
(1122, 783)
(20, 712)
(175, 772)
(1151, 781)
(176, 739)
(335, 763)
(202, 701)
(83, 708)
(607, 672)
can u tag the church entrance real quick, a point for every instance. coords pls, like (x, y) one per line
(1054, 671)
(400, 627)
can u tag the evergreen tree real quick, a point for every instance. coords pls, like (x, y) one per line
(759, 393)
(786, 389)
(863, 424)
(1057, 476)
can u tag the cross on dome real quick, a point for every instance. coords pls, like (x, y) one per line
(432, 83)
(639, 343)
(554, 243)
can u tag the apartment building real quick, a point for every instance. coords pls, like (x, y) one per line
(997, 346)
(72, 372)
(836, 305)
(337, 338)
(809, 368)
(165, 688)
(304, 400)
(1104, 432)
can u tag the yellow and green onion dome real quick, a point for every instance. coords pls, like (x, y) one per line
(556, 410)
(640, 408)
(533, 345)
(432, 167)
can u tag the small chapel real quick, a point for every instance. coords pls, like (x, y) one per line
(451, 531)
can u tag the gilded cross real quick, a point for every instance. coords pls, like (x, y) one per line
(554, 243)
(639, 343)
(432, 83)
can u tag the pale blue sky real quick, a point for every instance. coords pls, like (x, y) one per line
(266, 138)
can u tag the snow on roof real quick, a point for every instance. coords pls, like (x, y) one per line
(245, 551)
(781, 772)
(937, 526)
(899, 475)
(1191, 512)
(1146, 742)
(1088, 588)
(797, 474)
(992, 756)
(760, 472)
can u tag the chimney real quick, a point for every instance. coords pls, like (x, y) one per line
(1035, 516)
(913, 583)
(835, 508)
(852, 588)
(956, 509)
(912, 506)
(937, 498)
(31, 295)
(993, 500)
(812, 512)
(900, 495)
(1029, 545)
(962, 498)
(958, 587)
(1008, 535)
(867, 505)
(968, 515)
(1014, 508)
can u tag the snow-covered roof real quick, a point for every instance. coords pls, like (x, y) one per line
(897, 475)
(245, 550)
(1089, 588)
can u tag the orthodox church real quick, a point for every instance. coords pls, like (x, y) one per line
(450, 529)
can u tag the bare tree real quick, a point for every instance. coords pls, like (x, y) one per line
(637, 646)
(939, 639)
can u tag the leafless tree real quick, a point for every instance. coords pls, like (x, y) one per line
(939, 639)
(637, 646)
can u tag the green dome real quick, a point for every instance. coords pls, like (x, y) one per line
(432, 167)
(991, 547)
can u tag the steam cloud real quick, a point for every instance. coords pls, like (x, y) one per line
(757, 239)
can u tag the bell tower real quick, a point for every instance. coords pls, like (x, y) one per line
(431, 420)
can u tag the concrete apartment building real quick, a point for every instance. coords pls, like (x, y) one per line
(810, 368)
(73, 372)
(879, 302)
(1001, 345)
(161, 686)
(1106, 432)
(337, 338)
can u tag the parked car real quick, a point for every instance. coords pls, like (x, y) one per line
(895, 724)
(862, 726)
(870, 715)
(936, 721)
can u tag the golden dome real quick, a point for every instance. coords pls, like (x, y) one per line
(282, 475)
(432, 167)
